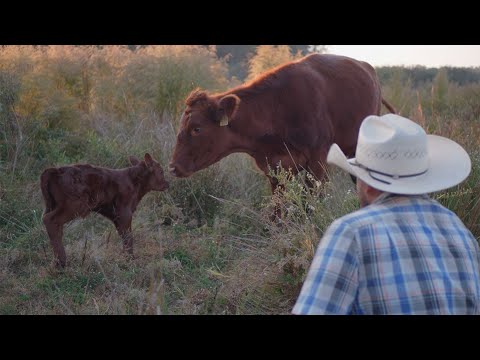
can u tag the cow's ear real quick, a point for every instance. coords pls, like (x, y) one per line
(228, 105)
(133, 160)
(148, 160)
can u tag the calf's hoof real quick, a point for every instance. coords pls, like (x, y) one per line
(60, 264)
(129, 254)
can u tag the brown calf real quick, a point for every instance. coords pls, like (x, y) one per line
(74, 191)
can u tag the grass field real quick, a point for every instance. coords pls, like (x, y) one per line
(206, 246)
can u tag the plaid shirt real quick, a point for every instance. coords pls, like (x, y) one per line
(399, 255)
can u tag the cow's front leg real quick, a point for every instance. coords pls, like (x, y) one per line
(277, 192)
(271, 172)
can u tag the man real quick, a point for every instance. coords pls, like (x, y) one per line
(402, 253)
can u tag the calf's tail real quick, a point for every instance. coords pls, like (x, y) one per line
(45, 183)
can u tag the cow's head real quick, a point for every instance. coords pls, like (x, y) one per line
(204, 136)
(153, 171)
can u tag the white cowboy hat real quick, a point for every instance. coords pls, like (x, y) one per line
(395, 155)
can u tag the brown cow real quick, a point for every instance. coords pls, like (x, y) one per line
(74, 191)
(289, 116)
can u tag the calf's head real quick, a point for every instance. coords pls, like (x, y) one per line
(204, 136)
(152, 172)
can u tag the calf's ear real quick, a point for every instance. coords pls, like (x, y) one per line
(133, 160)
(228, 105)
(148, 160)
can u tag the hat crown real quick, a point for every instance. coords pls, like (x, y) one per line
(392, 144)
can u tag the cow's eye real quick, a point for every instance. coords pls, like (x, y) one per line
(196, 130)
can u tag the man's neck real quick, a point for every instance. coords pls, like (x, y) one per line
(382, 196)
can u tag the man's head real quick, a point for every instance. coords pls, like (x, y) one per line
(395, 155)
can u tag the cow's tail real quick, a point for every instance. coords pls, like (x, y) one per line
(45, 182)
(388, 106)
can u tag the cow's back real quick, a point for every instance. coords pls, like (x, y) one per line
(346, 80)
(317, 100)
(349, 91)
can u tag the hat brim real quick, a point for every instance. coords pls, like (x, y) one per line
(449, 165)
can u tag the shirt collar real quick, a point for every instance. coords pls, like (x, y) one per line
(386, 196)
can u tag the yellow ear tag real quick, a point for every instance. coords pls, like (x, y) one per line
(224, 121)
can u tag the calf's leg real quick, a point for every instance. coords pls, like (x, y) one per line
(123, 223)
(54, 224)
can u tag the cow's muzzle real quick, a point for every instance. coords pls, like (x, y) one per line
(177, 170)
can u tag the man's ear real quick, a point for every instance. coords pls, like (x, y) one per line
(133, 160)
(370, 191)
(228, 106)
(148, 160)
